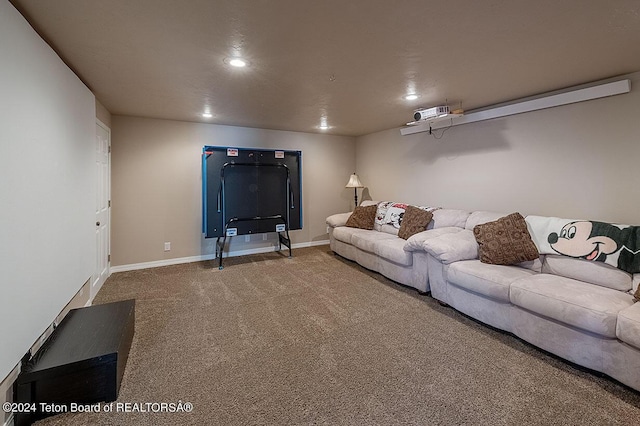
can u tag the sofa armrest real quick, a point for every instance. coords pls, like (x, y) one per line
(339, 219)
(453, 247)
(414, 242)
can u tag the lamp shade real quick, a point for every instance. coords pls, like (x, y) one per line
(354, 182)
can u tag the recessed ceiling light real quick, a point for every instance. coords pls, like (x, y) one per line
(236, 62)
(411, 97)
(323, 123)
(207, 115)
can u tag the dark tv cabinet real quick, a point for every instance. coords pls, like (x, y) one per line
(82, 362)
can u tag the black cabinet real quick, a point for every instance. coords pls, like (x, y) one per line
(82, 362)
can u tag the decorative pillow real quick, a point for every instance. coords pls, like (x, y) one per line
(415, 220)
(637, 293)
(428, 208)
(389, 212)
(362, 217)
(432, 210)
(505, 241)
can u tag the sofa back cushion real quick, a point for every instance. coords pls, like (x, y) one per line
(480, 217)
(534, 265)
(388, 229)
(585, 270)
(444, 218)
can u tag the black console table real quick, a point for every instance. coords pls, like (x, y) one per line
(81, 362)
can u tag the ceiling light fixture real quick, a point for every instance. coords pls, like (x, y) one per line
(236, 62)
(323, 124)
(411, 97)
(207, 115)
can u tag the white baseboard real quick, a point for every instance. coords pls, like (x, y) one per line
(190, 259)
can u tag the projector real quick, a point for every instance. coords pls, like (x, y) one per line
(429, 113)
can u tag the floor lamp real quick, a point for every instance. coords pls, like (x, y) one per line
(354, 182)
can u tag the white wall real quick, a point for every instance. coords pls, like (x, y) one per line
(574, 161)
(47, 218)
(156, 185)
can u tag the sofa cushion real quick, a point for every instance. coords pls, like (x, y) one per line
(452, 247)
(415, 220)
(628, 327)
(344, 234)
(367, 240)
(444, 218)
(534, 265)
(586, 270)
(362, 217)
(489, 280)
(480, 217)
(393, 250)
(389, 229)
(505, 241)
(586, 306)
(415, 242)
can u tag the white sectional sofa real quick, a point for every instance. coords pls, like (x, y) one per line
(381, 250)
(580, 310)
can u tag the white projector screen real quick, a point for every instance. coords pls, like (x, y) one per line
(47, 197)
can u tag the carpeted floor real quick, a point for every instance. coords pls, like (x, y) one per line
(316, 339)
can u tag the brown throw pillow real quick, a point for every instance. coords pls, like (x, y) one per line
(414, 220)
(505, 241)
(362, 217)
(637, 293)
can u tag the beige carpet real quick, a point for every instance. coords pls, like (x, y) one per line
(316, 339)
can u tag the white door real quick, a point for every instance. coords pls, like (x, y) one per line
(103, 195)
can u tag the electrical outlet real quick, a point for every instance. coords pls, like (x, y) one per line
(247, 238)
(264, 237)
(167, 246)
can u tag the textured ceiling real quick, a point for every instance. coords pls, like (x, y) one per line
(350, 61)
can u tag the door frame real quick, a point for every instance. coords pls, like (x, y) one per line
(96, 284)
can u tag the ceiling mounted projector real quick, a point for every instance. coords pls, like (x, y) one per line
(429, 113)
